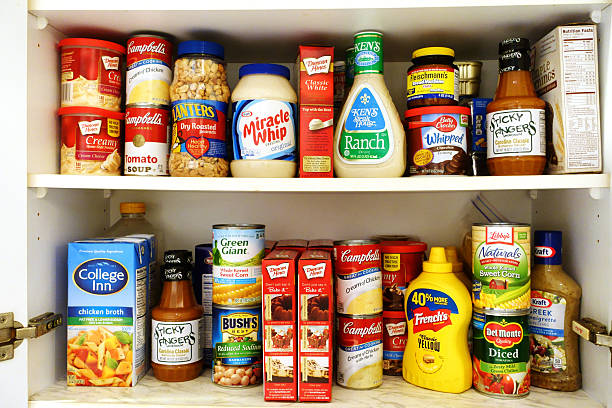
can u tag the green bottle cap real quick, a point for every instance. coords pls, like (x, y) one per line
(368, 53)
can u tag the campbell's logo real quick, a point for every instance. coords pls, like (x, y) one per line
(348, 256)
(90, 128)
(396, 329)
(361, 331)
(110, 62)
(317, 65)
(146, 119)
(278, 271)
(446, 123)
(152, 47)
(544, 252)
(314, 271)
(500, 235)
(503, 335)
(100, 276)
(540, 302)
(427, 319)
(239, 324)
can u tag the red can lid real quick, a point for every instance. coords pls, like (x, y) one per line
(393, 314)
(87, 110)
(436, 109)
(91, 42)
(403, 247)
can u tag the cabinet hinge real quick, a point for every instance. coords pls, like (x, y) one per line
(594, 332)
(12, 333)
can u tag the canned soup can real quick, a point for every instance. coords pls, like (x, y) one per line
(147, 140)
(501, 255)
(358, 277)
(501, 366)
(360, 351)
(237, 346)
(149, 72)
(237, 253)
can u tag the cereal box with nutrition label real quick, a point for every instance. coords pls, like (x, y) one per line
(107, 312)
(315, 326)
(280, 331)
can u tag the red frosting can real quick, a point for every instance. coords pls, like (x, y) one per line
(147, 140)
(401, 263)
(395, 335)
(358, 277)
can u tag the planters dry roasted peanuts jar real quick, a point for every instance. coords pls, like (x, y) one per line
(433, 79)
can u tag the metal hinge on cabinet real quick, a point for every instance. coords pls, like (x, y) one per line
(12, 333)
(593, 331)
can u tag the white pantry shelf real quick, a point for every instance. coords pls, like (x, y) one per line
(306, 185)
(394, 392)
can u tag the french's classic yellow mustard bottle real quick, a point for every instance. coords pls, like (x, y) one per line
(438, 310)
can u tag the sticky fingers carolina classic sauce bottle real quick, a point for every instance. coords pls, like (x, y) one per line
(438, 310)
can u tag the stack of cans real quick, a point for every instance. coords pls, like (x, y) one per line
(359, 313)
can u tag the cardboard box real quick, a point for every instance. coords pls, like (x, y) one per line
(280, 325)
(107, 311)
(269, 246)
(322, 244)
(316, 99)
(299, 245)
(565, 75)
(316, 326)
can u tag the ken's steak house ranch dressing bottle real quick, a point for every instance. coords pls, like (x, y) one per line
(369, 139)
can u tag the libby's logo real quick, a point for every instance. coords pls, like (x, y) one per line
(361, 331)
(278, 271)
(90, 128)
(150, 48)
(146, 119)
(445, 123)
(503, 335)
(500, 235)
(434, 320)
(110, 62)
(317, 65)
(396, 329)
(100, 277)
(314, 271)
(544, 252)
(348, 256)
(540, 302)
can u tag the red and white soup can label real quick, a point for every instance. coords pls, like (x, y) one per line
(147, 141)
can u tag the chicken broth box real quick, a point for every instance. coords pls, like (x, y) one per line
(279, 305)
(107, 311)
(315, 325)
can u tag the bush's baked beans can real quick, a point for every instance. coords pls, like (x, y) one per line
(501, 259)
(91, 73)
(501, 366)
(149, 72)
(237, 253)
(395, 335)
(358, 277)
(360, 351)
(237, 345)
(147, 140)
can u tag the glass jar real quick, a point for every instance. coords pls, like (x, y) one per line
(199, 95)
(433, 79)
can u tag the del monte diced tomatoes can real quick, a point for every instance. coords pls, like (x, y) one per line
(501, 366)
(358, 277)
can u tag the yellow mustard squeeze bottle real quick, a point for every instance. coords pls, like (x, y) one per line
(438, 310)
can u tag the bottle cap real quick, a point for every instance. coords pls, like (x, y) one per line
(513, 44)
(176, 272)
(514, 60)
(437, 262)
(201, 47)
(132, 208)
(425, 52)
(453, 257)
(178, 257)
(270, 69)
(547, 247)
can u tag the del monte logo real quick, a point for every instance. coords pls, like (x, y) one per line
(503, 335)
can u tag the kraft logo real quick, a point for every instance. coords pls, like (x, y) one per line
(100, 277)
(246, 114)
(540, 302)
(544, 252)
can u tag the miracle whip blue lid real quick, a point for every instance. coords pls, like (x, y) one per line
(272, 69)
(547, 247)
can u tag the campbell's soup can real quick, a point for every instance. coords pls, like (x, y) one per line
(149, 70)
(501, 360)
(395, 335)
(360, 351)
(147, 140)
(237, 253)
(358, 277)
(91, 73)
(501, 265)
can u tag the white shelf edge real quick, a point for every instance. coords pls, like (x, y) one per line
(305, 185)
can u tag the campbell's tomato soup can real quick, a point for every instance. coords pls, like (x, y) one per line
(91, 141)
(147, 140)
(358, 277)
(501, 365)
(149, 72)
(360, 351)
(91, 73)
(395, 334)
(401, 263)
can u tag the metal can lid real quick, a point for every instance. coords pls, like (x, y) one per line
(502, 312)
(147, 105)
(357, 242)
(500, 224)
(238, 226)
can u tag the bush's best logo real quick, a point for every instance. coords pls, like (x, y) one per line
(239, 324)
(100, 277)
(503, 335)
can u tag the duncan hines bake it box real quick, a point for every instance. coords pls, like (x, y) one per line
(315, 325)
(565, 75)
(316, 99)
(280, 331)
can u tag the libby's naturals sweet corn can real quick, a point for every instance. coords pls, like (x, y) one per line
(501, 266)
(237, 253)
